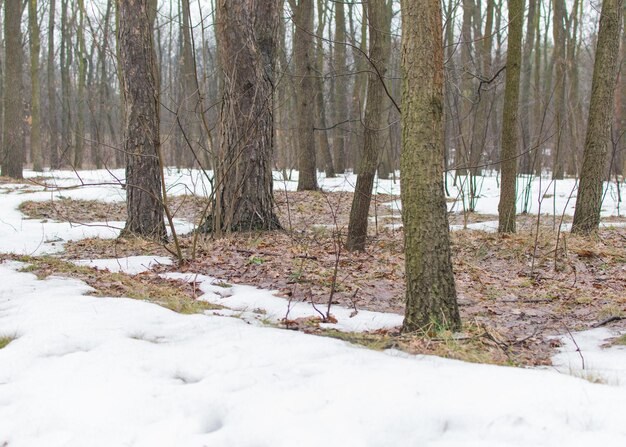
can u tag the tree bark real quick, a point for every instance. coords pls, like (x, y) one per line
(247, 44)
(508, 152)
(139, 78)
(558, 29)
(598, 139)
(339, 99)
(357, 227)
(35, 103)
(81, 55)
(51, 86)
(430, 288)
(12, 156)
(304, 58)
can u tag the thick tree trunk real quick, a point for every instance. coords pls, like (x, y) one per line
(508, 152)
(357, 227)
(598, 139)
(141, 131)
(304, 58)
(12, 150)
(430, 288)
(247, 33)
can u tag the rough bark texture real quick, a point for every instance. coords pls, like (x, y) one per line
(53, 142)
(558, 29)
(357, 227)
(508, 151)
(81, 54)
(339, 99)
(141, 115)
(35, 103)
(304, 58)
(247, 37)
(430, 290)
(526, 160)
(66, 87)
(598, 139)
(321, 131)
(12, 156)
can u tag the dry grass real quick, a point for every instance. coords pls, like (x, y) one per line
(175, 295)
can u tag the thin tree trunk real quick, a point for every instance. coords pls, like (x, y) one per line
(304, 57)
(80, 93)
(339, 98)
(51, 86)
(525, 164)
(508, 153)
(35, 104)
(558, 28)
(357, 227)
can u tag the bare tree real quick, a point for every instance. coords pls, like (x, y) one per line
(598, 140)
(508, 152)
(139, 78)
(12, 154)
(35, 102)
(430, 288)
(304, 57)
(378, 54)
(247, 38)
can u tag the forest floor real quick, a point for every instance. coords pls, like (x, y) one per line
(516, 293)
(92, 354)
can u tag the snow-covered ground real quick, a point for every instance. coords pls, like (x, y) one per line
(541, 193)
(87, 371)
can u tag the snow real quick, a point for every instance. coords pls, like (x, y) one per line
(36, 236)
(253, 304)
(131, 265)
(91, 371)
(114, 371)
(553, 197)
(582, 355)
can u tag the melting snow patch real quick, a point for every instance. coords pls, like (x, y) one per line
(584, 355)
(131, 265)
(252, 303)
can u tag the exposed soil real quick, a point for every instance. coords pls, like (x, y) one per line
(515, 292)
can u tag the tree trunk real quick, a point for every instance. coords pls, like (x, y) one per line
(304, 58)
(247, 33)
(81, 55)
(526, 160)
(357, 227)
(322, 132)
(430, 288)
(339, 98)
(508, 152)
(598, 139)
(52, 102)
(35, 104)
(66, 93)
(141, 131)
(558, 28)
(12, 153)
